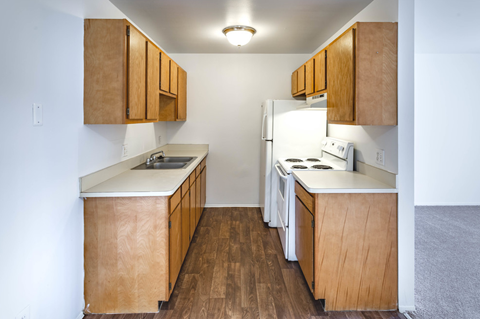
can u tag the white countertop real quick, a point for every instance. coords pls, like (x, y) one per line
(134, 183)
(340, 182)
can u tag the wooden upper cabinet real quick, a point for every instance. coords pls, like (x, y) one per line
(309, 77)
(153, 81)
(182, 95)
(320, 71)
(165, 73)
(362, 75)
(137, 61)
(294, 82)
(301, 79)
(341, 66)
(173, 77)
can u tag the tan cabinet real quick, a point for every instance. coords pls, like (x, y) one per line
(198, 195)
(143, 241)
(298, 81)
(294, 82)
(362, 75)
(320, 71)
(346, 245)
(182, 95)
(309, 77)
(126, 75)
(203, 180)
(175, 249)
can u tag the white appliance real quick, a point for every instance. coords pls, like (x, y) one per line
(285, 130)
(336, 155)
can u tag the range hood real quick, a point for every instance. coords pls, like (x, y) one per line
(317, 101)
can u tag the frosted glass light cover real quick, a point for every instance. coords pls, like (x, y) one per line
(239, 37)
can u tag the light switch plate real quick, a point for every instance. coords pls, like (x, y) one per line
(37, 110)
(380, 157)
(124, 150)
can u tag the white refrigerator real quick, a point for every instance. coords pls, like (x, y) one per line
(286, 132)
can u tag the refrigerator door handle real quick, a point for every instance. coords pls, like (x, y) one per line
(280, 171)
(263, 127)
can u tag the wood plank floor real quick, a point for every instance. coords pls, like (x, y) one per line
(235, 268)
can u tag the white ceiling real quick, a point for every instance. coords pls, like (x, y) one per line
(283, 26)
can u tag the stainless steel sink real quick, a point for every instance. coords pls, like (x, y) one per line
(168, 162)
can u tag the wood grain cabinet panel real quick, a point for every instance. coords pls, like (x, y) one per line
(203, 179)
(354, 250)
(301, 79)
(309, 77)
(153, 81)
(175, 236)
(341, 81)
(193, 207)
(173, 77)
(182, 95)
(198, 200)
(304, 241)
(320, 73)
(362, 75)
(165, 73)
(294, 82)
(126, 254)
(136, 44)
(185, 225)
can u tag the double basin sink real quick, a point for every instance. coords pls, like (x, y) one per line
(168, 162)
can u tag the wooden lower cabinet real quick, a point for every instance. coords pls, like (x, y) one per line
(203, 180)
(354, 250)
(198, 194)
(135, 247)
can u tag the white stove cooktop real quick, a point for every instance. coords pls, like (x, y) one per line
(313, 163)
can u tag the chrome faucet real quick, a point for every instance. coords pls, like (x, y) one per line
(152, 157)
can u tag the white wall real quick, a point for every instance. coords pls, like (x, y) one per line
(368, 139)
(446, 102)
(225, 92)
(41, 220)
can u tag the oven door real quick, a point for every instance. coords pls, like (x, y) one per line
(282, 207)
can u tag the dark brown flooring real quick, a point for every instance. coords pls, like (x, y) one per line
(235, 268)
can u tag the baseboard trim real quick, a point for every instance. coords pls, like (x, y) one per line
(80, 315)
(232, 205)
(403, 309)
(447, 204)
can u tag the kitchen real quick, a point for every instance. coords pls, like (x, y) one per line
(232, 143)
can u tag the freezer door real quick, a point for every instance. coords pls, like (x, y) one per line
(265, 179)
(267, 120)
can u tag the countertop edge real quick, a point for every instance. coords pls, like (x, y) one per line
(147, 194)
(387, 190)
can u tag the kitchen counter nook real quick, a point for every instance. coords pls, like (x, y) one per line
(139, 224)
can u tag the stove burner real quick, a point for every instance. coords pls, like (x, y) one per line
(313, 160)
(299, 167)
(321, 167)
(293, 160)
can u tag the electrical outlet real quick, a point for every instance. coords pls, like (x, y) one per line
(159, 140)
(37, 118)
(380, 157)
(124, 150)
(25, 314)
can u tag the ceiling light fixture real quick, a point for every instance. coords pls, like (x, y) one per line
(239, 34)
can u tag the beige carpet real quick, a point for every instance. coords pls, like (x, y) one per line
(447, 262)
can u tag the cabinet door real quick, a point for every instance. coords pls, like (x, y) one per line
(309, 77)
(185, 225)
(165, 73)
(320, 71)
(304, 241)
(175, 235)
(136, 51)
(153, 81)
(203, 180)
(182, 95)
(301, 78)
(198, 194)
(294, 82)
(341, 82)
(193, 208)
(173, 77)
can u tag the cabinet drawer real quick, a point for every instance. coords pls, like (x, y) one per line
(175, 200)
(203, 164)
(185, 186)
(307, 199)
(198, 170)
(192, 178)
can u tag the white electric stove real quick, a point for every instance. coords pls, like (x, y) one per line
(337, 155)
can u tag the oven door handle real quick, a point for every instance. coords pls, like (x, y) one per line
(281, 172)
